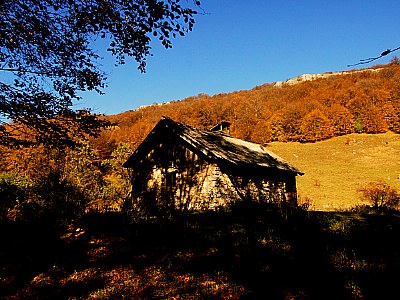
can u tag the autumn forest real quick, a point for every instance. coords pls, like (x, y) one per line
(354, 102)
(363, 101)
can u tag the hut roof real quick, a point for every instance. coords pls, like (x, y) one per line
(215, 146)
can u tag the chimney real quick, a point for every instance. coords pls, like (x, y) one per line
(222, 127)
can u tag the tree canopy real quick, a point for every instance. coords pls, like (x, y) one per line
(47, 59)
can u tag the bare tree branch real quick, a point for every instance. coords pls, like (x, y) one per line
(371, 59)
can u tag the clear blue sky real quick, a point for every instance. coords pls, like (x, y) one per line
(240, 44)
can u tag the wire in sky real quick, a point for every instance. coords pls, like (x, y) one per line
(370, 59)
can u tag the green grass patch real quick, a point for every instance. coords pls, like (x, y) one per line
(336, 168)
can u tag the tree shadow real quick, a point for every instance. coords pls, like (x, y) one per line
(248, 252)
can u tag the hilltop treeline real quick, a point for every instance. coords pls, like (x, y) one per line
(360, 101)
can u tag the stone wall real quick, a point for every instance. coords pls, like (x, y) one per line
(209, 188)
(175, 178)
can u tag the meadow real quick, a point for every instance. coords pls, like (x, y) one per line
(336, 168)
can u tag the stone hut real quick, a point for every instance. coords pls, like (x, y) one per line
(178, 167)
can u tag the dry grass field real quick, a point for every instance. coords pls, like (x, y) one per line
(336, 168)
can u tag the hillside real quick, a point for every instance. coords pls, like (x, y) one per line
(315, 108)
(336, 168)
(327, 119)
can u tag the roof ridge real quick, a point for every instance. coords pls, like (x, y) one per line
(219, 146)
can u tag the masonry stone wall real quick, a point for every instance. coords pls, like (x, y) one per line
(208, 188)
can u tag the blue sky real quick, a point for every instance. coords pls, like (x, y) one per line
(237, 45)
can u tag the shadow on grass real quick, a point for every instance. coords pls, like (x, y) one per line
(250, 253)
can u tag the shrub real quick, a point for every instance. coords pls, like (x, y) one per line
(13, 190)
(380, 195)
(58, 198)
(359, 126)
(117, 187)
(49, 198)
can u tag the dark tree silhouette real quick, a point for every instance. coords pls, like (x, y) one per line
(47, 58)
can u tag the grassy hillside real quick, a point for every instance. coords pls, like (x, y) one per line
(334, 169)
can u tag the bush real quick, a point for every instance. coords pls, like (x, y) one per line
(58, 198)
(50, 198)
(13, 190)
(359, 126)
(380, 196)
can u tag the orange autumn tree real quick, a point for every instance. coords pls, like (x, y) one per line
(342, 119)
(316, 127)
(373, 120)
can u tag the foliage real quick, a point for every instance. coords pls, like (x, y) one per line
(367, 100)
(66, 183)
(341, 118)
(13, 189)
(359, 126)
(380, 195)
(316, 126)
(118, 187)
(46, 197)
(80, 170)
(278, 132)
(55, 198)
(363, 101)
(48, 59)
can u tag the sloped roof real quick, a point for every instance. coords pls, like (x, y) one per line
(217, 146)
